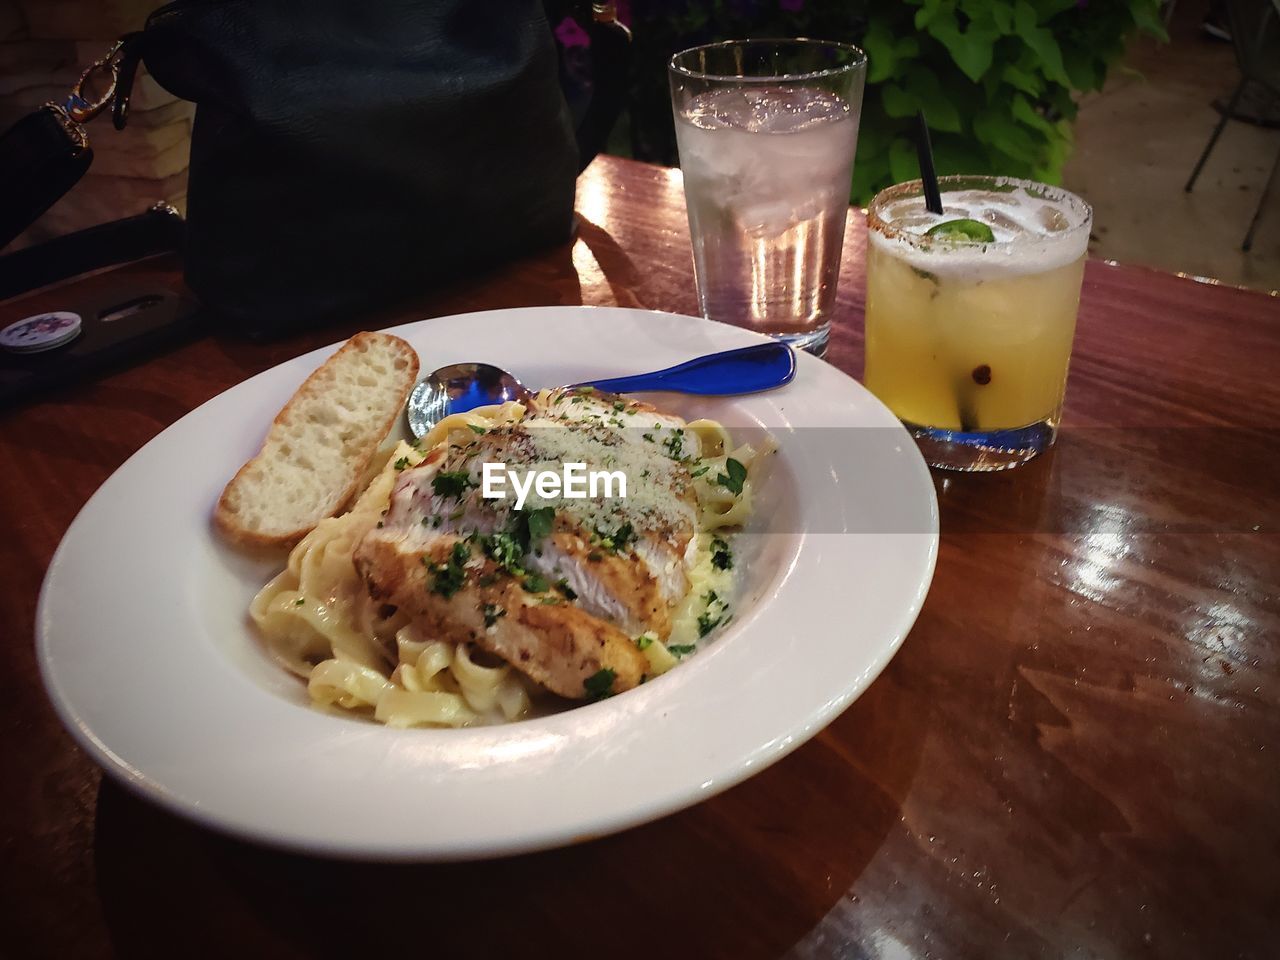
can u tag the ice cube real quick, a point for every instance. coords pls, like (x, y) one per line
(766, 219)
(1004, 226)
(1051, 219)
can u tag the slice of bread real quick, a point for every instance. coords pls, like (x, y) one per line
(320, 443)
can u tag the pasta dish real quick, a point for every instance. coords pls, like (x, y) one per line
(429, 603)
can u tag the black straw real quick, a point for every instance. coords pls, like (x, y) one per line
(932, 196)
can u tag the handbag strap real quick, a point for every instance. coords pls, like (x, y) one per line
(160, 230)
(45, 153)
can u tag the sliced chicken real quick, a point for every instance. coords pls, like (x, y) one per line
(577, 580)
(565, 649)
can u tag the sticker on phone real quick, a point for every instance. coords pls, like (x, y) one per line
(44, 331)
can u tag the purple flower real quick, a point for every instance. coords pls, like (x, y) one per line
(571, 35)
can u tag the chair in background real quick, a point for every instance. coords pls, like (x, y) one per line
(1255, 34)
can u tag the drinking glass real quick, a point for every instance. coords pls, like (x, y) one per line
(766, 131)
(971, 314)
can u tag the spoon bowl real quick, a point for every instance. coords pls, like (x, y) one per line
(457, 388)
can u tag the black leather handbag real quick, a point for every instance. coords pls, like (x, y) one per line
(349, 152)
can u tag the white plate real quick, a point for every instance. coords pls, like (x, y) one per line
(147, 653)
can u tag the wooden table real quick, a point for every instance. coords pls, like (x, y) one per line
(1076, 752)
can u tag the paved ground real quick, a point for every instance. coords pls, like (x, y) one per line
(1136, 143)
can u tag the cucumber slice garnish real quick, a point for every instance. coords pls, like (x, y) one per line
(974, 231)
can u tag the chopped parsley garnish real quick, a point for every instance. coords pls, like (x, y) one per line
(644, 641)
(563, 586)
(721, 557)
(491, 613)
(401, 463)
(700, 471)
(300, 601)
(618, 540)
(600, 684)
(536, 583)
(488, 580)
(503, 549)
(451, 575)
(674, 444)
(708, 621)
(648, 436)
(680, 649)
(619, 406)
(451, 483)
(552, 601)
(539, 522)
(476, 428)
(733, 479)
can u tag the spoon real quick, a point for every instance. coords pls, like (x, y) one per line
(460, 387)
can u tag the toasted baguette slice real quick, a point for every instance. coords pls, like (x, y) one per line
(319, 444)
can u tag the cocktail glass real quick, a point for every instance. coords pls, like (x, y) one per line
(971, 314)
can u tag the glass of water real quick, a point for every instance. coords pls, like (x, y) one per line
(766, 131)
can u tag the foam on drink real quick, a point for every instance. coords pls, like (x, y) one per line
(1034, 232)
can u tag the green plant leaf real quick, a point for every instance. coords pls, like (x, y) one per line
(1015, 76)
(954, 154)
(897, 102)
(1001, 15)
(928, 10)
(1060, 99)
(885, 52)
(1022, 110)
(1041, 41)
(903, 163)
(971, 48)
(921, 91)
(997, 130)
(932, 99)
(1080, 68)
(1146, 14)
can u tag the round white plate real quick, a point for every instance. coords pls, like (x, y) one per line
(148, 655)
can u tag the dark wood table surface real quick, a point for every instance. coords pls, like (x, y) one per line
(1075, 754)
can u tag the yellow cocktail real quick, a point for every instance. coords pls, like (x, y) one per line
(970, 315)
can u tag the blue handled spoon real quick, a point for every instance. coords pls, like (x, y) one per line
(460, 387)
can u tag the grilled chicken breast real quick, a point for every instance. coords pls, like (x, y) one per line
(561, 589)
